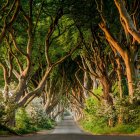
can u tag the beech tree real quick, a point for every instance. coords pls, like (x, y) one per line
(21, 51)
(63, 51)
(127, 51)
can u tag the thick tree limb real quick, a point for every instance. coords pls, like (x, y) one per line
(13, 18)
(112, 40)
(50, 33)
(127, 20)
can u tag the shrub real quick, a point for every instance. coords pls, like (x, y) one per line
(2, 109)
(38, 116)
(22, 119)
(23, 122)
(97, 115)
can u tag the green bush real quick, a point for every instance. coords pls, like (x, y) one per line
(22, 119)
(97, 115)
(137, 131)
(2, 109)
(27, 124)
(46, 123)
(23, 122)
(38, 116)
(123, 129)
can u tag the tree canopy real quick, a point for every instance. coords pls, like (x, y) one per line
(80, 55)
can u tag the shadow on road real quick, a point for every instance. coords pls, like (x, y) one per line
(71, 137)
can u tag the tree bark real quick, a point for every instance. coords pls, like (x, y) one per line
(119, 74)
(130, 71)
(106, 90)
(11, 119)
(85, 84)
(127, 20)
(128, 59)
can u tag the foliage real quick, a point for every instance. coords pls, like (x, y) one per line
(27, 124)
(130, 112)
(6, 110)
(2, 109)
(23, 121)
(38, 116)
(26, 121)
(37, 34)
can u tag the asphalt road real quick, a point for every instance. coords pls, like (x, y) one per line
(68, 130)
(67, 126)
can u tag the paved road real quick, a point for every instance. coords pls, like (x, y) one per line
(68, 130)
(67, 126)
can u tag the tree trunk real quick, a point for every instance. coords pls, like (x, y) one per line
(106, 90)
(95, 82)
(119, 74)
(48, 101)
(86, 84)
(130, 72)
(20, 89)
(110, 122)
(126, 56)
(6, 92)
(120, 116)
(120, 84)
(11, 119)
(127, 20)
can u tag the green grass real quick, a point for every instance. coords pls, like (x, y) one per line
(2, 132)
(123, 129)
(26, 130)
(137, 131)
(34, 129)
(102, 129)
(21, 131)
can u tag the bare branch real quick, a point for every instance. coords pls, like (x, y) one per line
(38, 16)
(17, 60)
(8, 25)
(89, 71)
(5, 72)
(50, 33)
(15, 43)
(76, 75)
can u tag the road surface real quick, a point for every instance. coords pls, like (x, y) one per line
(67, 126)
(68, 130)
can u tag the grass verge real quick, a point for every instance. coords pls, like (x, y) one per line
(118, 130)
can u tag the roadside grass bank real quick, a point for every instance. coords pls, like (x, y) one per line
(21, 131)
(25, 123)
(116, 130)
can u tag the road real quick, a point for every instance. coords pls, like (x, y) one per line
(68, 130)
(67, 126)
